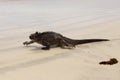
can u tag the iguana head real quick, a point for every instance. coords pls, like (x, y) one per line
(34, 36)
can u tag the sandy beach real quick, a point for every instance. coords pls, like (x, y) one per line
(19, 62)
(22, 63)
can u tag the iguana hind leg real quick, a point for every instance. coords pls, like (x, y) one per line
(64, 44)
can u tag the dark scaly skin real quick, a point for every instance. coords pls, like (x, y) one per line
(49, 39)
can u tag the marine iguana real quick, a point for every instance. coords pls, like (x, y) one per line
(49, 39)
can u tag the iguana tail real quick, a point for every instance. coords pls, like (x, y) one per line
(89, 41)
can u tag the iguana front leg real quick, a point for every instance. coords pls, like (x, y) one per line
(28, 42)
(46, 45)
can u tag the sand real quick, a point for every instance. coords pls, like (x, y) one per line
(18, 62)
(77, 19)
